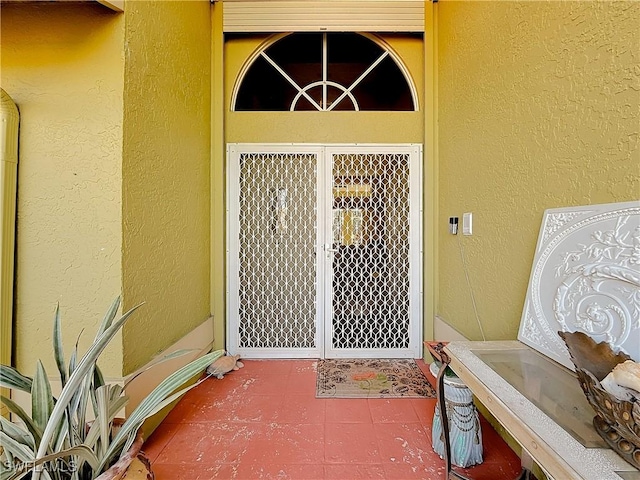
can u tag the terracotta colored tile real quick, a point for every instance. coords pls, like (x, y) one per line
(287, 444)
(182, 410)
(301, 383)
(424, 366)
(168, 471)
(266, 367)
(212, 408)
(236, 385)
(264, 421)
(303, 366)
(405, 443)
(351, 443)
(426, 369)
(348, 410)
(492, 471)
(262, 384)
(256, 408)
(500, 453)
(424, 408)
(495, 449)
(245, 408)
(278, 471)
(159, 440)
(433, 382)
(353, 472)
(302, 409)
(226, 471)
(218, 386)
(404, 471)
(387, 410)
(209, 443)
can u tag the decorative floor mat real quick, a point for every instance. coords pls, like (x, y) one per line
(372, 378)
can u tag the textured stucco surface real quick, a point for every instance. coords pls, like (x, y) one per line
(165, 173)
(324, 127)
(539, 107)
(63, 64)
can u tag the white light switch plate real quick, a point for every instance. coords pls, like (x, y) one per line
(467, 223)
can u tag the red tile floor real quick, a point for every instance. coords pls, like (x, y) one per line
(264, 422)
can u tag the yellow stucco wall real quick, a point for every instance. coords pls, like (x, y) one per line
(539, 107)
(166, 153)
(218, 179)
(62, 65)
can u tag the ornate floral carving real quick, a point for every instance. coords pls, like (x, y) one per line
(619, 246)
(586, 277)
(531, 331)
(590, 297)
(556, 221)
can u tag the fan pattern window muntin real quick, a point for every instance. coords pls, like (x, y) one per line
(381, 81)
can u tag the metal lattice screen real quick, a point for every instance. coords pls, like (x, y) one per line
(277, 261)
(371, 259)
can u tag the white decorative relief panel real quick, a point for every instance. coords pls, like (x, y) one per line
(585, 277)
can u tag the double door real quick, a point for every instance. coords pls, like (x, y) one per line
(324, 251)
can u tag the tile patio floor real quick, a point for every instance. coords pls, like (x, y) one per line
(264, 422)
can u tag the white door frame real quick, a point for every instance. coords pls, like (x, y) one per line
(324, 198)
(414, 349)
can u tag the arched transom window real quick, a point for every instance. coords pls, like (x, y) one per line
(324, 72)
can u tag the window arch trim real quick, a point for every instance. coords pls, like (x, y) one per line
(264, 46)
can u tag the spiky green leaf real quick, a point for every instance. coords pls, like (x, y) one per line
(76, 380)
(17, 449)
(62, 440)
(84, 399)
(73, 361)
(15, 472)
(81, 451)
(115, 406)
(22, 415)
(159, 394)
(107, 321)
(12, 378)
(102, 400)
(58, 351)
(165, 358)
(19, 434)
(98, 381)
(116, 391)
(98, 378)
(167, 401)
(41, 397)
(84, 453)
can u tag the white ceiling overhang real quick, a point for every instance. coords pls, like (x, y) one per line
(115, 5)
(323, 16)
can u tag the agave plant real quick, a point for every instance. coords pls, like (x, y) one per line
(56, 442)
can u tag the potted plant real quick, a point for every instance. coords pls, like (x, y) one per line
(56, 441)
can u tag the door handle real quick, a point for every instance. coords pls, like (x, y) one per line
(327, 248)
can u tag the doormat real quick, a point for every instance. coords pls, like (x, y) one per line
(372, 378)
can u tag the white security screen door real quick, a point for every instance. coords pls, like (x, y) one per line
(274, 264)
(324, 251)
(373, 280)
